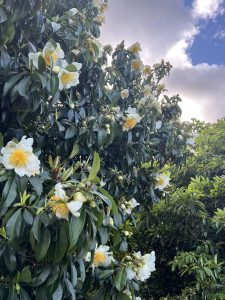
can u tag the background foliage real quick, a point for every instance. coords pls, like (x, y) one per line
(42, 257)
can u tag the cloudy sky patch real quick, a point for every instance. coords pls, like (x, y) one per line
(176, 30)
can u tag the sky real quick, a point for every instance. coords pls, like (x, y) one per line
(190, 34)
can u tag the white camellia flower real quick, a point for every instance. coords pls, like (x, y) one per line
(162, 181)
(124, 93)
(190, 141)
(102, 257)
(67, 79)
(20, 157)
(59, 205)
(129, 206)
(142, 266)
(52, 53)
(137, 65)
(158, 124)
(137, 298)
(147, 90)
(132, 119)
(135, 48)
(33, 57)
(73, 12)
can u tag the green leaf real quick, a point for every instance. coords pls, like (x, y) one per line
(106, 194)
(105, 274)
(70, 132)
(23, 86)
(124, 296)
(13, 224)
(102, 136)
(25, 275)
(95, 167)
(36, 228)
(10, 83)
(5, 58)
(10, 258)
(75, 228)
(41, 64)
(58, 293)
(37, 184)
(42, 247)
(61, 242)
(3, 15)
(9, 192)
(120, 279)
(74, 151)
(1, 140)
(71, 289)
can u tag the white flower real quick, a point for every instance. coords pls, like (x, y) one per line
(137, 298)
(190, 141)
(102, 257)
(142, 267)
(59, 205)
(34, 58)
(147, 90)
(129, 206)
(158, 124)
(132, 119)
(135, 48)
(162, 181)
(77, 65)
(100, 19)
(60, 192)
(67, 79)
(137, 65)
(124, 93)
(52, 53)
(73, 12)
(20, 157)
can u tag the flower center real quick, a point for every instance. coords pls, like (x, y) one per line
(50, 55)
(60, 209)
(67, 78)
(99, 257)
(130, 123)
(136, 65)
(161, 181)
(18, 158)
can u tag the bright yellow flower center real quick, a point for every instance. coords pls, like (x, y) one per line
(136, 65)
(147, 70)
(130, 123)
(18, 158)
(99, 257)
(58, 208)
(161, 181)
(50, 55)
(67, 78)
(135, 48)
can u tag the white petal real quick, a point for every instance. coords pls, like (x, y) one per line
(74, 206)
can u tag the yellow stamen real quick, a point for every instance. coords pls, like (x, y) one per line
(130, 123)
(136, 65)
(161, 181)
(99, 257)
(50, 55)
(67, 78)
(18, 158)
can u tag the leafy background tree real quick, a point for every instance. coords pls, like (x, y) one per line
(100, 133)
(187, 227)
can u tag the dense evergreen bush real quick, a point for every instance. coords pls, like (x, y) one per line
(82, 142)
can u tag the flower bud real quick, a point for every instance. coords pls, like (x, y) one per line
(123, 206)
(120, 178)
(92, 204)
(72, 105)
(56, 69)
(78, 196)
(111, 222)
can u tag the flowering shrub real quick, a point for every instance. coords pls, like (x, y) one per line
(82, 142)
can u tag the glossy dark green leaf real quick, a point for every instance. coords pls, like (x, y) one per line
(120, 279)
(75, 228)
(43, 245)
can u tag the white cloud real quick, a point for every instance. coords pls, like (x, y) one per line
(207, 8)
(167, 29)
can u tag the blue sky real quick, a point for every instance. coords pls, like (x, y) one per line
(209, 44)
(188, 33)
